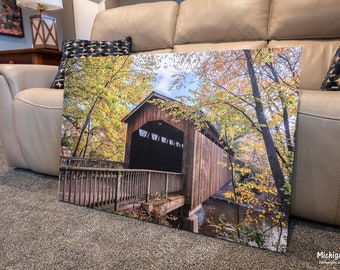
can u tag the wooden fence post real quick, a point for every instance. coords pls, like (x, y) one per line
(61, 184)
(166, 186)
(118, 184)
(148, 188)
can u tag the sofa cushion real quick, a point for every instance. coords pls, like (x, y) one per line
(37, 116)
(332, 79)
(89, 48)
(203, 21)
(151, 25)
(316, 59)
(292, 19)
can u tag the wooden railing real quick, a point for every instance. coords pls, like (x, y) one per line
(90, 162)
(95, 187)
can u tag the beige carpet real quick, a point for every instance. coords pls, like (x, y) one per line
(38, 232)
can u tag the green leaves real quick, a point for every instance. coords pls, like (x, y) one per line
(99, 92)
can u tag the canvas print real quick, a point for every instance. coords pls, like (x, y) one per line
(198, 141)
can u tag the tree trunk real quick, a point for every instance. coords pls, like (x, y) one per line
(87, 120)
(267, 137)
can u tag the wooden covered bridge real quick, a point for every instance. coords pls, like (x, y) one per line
(162, 157)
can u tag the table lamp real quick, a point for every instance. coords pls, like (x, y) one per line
(44, 28)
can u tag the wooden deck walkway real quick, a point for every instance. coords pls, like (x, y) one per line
(97, 187)
(173, 202)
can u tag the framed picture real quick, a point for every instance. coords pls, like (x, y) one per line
(10, 19)
(199, 141)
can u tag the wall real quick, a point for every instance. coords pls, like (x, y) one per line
(84, 14)
(77, 17)
(67, 19)
(112, 4)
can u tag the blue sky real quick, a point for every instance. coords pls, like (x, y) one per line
(169, 66)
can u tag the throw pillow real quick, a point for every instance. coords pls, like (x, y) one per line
(89, 48)
(332, 79)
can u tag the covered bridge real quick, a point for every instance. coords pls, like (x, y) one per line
(156, 142)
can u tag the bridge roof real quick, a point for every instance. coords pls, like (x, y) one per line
(153, 95)
(209, 132)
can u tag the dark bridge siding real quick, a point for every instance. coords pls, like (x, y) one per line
(159, 156)
(203, 176)
(151, 113)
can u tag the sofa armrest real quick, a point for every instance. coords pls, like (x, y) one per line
(20, 77)
(316, 187)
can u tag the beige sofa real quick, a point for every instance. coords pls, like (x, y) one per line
(30, 112)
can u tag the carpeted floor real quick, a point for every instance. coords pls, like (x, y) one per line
(38, 232)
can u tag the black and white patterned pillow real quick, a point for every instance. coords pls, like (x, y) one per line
(89, 48)
(332, 79)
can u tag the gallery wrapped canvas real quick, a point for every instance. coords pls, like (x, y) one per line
(199, 141)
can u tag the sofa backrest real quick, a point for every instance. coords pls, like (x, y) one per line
(151, 26)
(197, 25)
(304, 19)
(202, 21)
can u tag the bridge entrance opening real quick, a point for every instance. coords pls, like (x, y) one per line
(157, 146)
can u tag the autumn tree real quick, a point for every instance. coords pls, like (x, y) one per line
(99, 92)
(251, 97)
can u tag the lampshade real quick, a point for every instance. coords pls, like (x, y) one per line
(48, 4)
